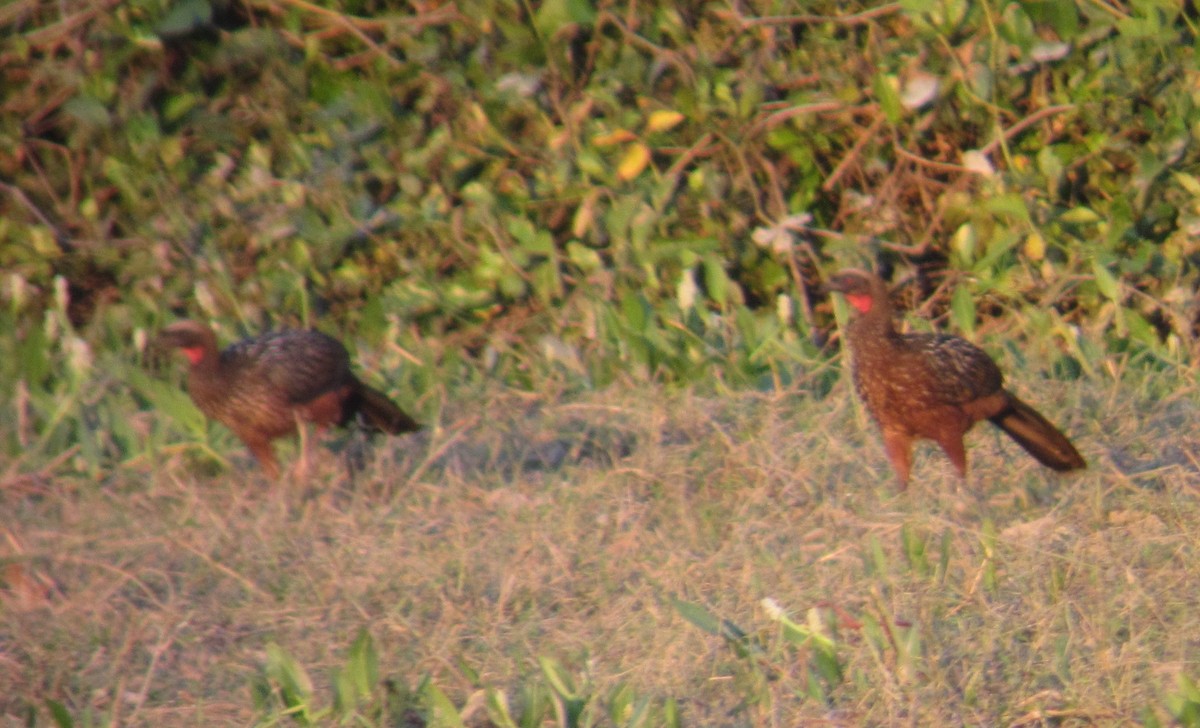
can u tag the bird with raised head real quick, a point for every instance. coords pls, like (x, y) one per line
(934, 386)
(265, 387)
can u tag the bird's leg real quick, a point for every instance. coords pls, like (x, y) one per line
(265, 455)
(301, 469)
(898, 446)
(953, 447)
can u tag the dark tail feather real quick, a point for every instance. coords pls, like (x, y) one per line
(380, 413)
(1040, 438)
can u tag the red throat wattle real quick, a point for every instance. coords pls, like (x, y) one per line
(861, 301)
(193, 353)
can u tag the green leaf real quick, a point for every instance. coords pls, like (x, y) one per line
(60, 714)
(373, 320)
(916, 7)
(1016, 27)
(1106, 282)
(88, 110)
(878, 558)
(362, 664)
(496, 703)
(553, 15)
(887, 91)
(1050, 166)
(914, 550)
(944, 553)
(670, 715)
(547, 282)
(295, 686)
(1062, 15)
(635, 311)
(1010, 207)
(33, 357)
(583, 257)
(987, 540)
(172, 401)
(440, 711)
(345, 693)
(621, 704)
(795, 633)
(178, 105)
(698, 616)
(184, 17)
(1185, 703)
(1142, 330)
(560, 681)
(716, 280)
(962, 304)
(828, 666)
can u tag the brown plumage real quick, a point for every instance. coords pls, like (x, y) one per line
(934, 386)
(262, 388)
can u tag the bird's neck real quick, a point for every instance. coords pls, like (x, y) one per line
(874, 326)
(204, 359)
(205, 382)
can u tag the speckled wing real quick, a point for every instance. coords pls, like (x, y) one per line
(300, 365)
(963, 372)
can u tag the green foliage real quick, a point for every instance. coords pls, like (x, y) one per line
(484, 178)
(760, 660)
(284, 693)
(1185, 703)
(354, 683)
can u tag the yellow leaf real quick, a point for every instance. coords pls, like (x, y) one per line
(1080, 216)
(585, 215)
(1189, 183)
(1035, 246)
(663, 120)
(635, 160)
(612, 138)
(963, 241)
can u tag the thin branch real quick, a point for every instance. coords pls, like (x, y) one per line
(699, 148)
(351, 26)
(702, 146)
(1024, 124)
(917, 159)
(819, 107)
(19, 195)
(436, 16)
(855, 152)
(675, 58)
(865, 16)
(358, 26)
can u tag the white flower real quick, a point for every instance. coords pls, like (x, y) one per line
(772, 608)
(779, 237)
(685, 293)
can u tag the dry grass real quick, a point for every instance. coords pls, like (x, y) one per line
(532, 528)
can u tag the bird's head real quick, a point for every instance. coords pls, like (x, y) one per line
(194, 339)
(862, 289)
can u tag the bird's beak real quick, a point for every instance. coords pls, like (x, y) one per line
(832, 286)
(169, 339)
(165, 340)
